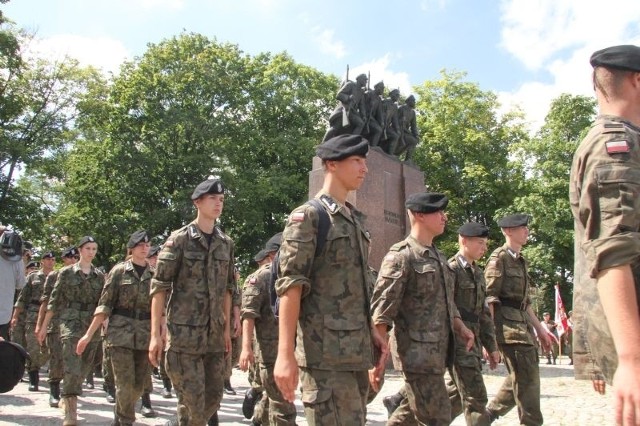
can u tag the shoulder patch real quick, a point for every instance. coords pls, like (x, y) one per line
(328, 201)
(168, 243)
(492, 263)
(253, 280)
(297, 217)
(617, 147)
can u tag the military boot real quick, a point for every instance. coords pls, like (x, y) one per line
(111, 393)
(392, 402)
(146, 409)
(166, 388)
(213, 420)
(90, 384)
(54, 394)
(408, 159)
(228, 389)
(251, 398)
(548, 359)
(34, 378)
(70, 411)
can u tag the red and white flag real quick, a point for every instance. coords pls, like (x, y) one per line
(562, 323)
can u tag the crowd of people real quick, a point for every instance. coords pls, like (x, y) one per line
(315, 317)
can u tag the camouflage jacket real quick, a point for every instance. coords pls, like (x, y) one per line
(469, 294)
(74, 298)
(508, 282)
(334, 328)
(603, 191)
(256, 304)
(414, 293)
(54, 324)
(126, 302)
(197, 275)
(29, 298)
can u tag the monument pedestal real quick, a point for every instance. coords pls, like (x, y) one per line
(381, 198)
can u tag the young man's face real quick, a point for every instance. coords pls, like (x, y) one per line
(475, 247)
(434, 222)
(350, 172)
(519, 234)
(210, 206)
(47, 263)
(141, 250)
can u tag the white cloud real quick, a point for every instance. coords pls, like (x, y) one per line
(101, 52)
(326, 42)
(165, 4)
(427, 5)
(556, 38)
(379, 69)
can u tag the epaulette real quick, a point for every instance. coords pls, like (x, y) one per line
(330, 203)
(128, 266)
(399, 246)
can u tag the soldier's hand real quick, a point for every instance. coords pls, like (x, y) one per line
(545, 341)
(626, 391)
(285, 374)
(246, 359)
(13, 322)
(41, 336)
(155, 350)
(494, 360)
(467, 336)
(599, 386)
(82, 344)
(227, 341)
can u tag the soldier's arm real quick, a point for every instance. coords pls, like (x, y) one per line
(493, 275)
(388, 291)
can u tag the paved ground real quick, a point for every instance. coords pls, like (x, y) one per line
(565, 401)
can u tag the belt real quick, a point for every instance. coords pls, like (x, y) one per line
(36, 302)
(468, 316)
(521, 305)
(132, 314)
(88, 307)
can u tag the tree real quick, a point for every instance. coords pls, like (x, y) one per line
(547, 161)
(465, 150)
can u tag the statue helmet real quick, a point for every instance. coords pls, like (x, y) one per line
(379, 85)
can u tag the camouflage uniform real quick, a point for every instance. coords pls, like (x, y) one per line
(414, 293)
(333, 344)
(257, 306)
(606, 209)
(53, 341)
(467, 392)
(29, 301)
(232, 358)
(125, 301)
(197, 275)
(74, 299)
(508, 291)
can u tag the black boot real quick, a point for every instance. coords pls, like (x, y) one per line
(548, 359)
(228, 389)
(213, 420)
(90, 381)
(392, 402)
(251, 398)
(111, 393)
(54, 394)
(166, 390)
(34, 378)
(146, 410)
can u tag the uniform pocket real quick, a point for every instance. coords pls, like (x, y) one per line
(619, 195)
(343, 341)
(425, 278)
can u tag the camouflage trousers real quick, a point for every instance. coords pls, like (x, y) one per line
(39, 354)
(334, 398)
(198, 380)
(76, 367)
(232, 358)
(280, 412)
(107, 366)
(468, 394)
(261, 411)
(425, 401)
(131, 370)
(54, 345)
(522, 386)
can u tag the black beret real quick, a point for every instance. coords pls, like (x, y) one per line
(274, 242)
(209, 186)
(33, 264)
(514, 220)
(85, 240)
(343, 146)
(261, 255)
(12, 364)
(137, 238)
(473, 229)
(70, 252)
(426, 202)
(48, 255)
(154, 251)
(624, 57)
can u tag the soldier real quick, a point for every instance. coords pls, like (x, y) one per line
(257, 315)
(414, 294)
(508, 286)
(74, 297)
(12, 278)
(52, 341)
(604, 187)
(29, 301)
(390, 125)
(374, 120)
(195, 271)
(552, 328)
(408, 129)
(326, 296)
(351, 113)
(125, 302)
(467, 392)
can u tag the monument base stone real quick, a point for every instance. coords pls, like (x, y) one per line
(381, 198)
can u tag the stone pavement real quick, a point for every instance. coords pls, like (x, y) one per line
(564, 401)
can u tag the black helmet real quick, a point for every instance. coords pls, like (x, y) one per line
(12, 364)
(11, 245)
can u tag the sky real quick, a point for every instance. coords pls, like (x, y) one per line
(526, 51)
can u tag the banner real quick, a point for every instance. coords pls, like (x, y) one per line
(561, 320)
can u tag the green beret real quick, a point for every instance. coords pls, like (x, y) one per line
(48, 255)
(209, 186)
(137, 238)
(514, 220)
(261, 255)
(426, 202)
(342, 146)
(274, 243)
(154, 251)
(473, 229)
(70, 252)
(624, 57)
(86, 239)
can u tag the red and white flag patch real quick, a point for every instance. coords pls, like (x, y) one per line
(253, 280)
(616, 147)
(297, 217)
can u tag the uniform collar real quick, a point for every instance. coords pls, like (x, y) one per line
(76, 268)
(462, 261)
(425, 251)
(511, 252)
